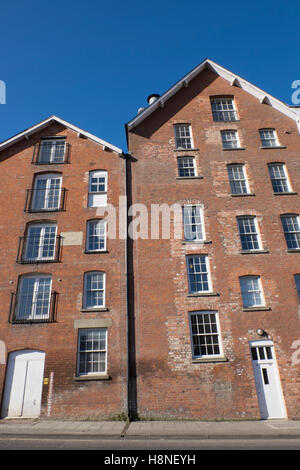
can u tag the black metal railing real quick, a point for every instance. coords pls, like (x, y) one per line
(57, 154)
(45, 200)
(24, 310)
(35, 249)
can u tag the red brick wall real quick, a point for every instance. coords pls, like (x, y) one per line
(169, 383)
(59, 340)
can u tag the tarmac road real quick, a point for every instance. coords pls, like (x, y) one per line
(179, 447)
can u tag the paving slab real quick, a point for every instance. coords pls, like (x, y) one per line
(153, 429)
(61, 427)
(220, 430)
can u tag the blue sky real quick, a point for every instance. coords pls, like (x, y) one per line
(94, 63)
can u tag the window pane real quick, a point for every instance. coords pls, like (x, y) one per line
(94, 290)
(268, 138)
(223, 109)
(52, 151)
(92, 351)
(248, 233)
(237, 179)
(251, 291)
(291, 230)
(47, 193)
(204, 333)
(230, 139)
(192, 223)
(279, 178)
(96, 235)
(198, 274)
(183, 138)
(33, 298)
(40, 243)
(186, 166)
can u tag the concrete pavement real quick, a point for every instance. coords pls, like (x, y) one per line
(39, 428)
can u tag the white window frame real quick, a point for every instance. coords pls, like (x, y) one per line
(268, 138)
(230, 139)
(199, 225)
(186, 169)
(223, 109)
(51, 145)
(279, 178)
(206, 334)
(103, 225)
(34, 294)
(92, 352)
(200, 274)
(37, 200)
(183, 132)
(291, 236)
(237, 183)
(254, 291)
(41, 242)
(97, 198)
(85, 296)
(254, 236)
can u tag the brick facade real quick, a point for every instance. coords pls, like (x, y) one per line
(70, 397)
(170, 382)
(154, 369)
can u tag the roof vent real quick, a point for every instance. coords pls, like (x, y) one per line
(152, 98)
(140, 110)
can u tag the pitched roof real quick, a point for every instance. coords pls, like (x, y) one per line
(234, 80)
(43, 124)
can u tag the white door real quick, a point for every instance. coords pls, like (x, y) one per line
(23, 384)
(267, 380)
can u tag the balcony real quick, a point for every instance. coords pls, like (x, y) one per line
(23, 309)
(35, 250)
(41, 200)
(51, 153)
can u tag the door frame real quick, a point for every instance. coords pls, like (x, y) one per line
(9, 379)
(273, 362)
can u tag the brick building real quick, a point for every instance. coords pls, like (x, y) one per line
(217, 311)
(201, 322)
(63, 283)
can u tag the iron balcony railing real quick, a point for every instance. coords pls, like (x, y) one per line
(23, 309)
(33, 250)
(55, 154)
(41, 200)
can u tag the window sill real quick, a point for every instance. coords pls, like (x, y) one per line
(49, 163)
(95, 252)
(189, 177)
(223, 121)
(254, 309)
(274, 147)
(293, 250)
(196, 242)
(242, 195)
(91, 377)
(211, 359)
(38, 261)
(253, 252)
(186, 150)
(98, 309)
(285, 193)
(204, 294)
(234, 148)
